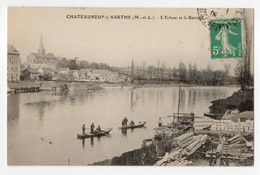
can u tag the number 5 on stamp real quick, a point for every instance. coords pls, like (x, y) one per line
(225, 38)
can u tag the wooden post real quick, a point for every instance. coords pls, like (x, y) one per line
(179, 104)
(219, 151)
(239, 124)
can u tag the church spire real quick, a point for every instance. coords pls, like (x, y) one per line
(41, 49)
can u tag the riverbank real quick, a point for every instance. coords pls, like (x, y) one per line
(158, 150)
(240, 100)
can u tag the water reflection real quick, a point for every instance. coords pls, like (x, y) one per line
(132, 99)
(124, 132)
(92, 142)
(13, 108)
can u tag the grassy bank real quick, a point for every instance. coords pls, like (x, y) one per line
(241, 100)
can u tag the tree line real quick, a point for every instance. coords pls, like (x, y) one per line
(74, 64)
(182, 74)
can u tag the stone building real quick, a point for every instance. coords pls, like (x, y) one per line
(41, 59)
(13, 64)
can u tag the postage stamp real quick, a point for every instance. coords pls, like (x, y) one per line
(226, 38)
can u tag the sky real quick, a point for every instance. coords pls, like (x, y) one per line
(115, 41)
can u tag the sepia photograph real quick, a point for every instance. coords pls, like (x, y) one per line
(130, 86)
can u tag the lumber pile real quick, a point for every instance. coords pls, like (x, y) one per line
(179, 162)
(173, 156)
(189, 143)
(233, 148)
(229, 125)
(183, 146)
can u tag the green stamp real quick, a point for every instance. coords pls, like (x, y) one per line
(226, 38)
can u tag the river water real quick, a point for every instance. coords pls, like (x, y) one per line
(42, 127)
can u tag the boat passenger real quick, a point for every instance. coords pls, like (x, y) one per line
(125, 121)
(83, 129)
(98, 129)
(92, 127)
(132, 123)
(160, 122)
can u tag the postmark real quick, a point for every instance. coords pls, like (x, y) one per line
(225, 38)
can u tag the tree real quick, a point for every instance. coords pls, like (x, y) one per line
(73, 65)
(182, 72)
(242, 70)
(83, 64)
(190, 74)
(94, 65)
(174, 73)
(152, 71)
(63, 63)
(195, 74)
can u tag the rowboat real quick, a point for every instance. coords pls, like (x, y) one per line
(214, 116)
(139, 125)
(95, 134)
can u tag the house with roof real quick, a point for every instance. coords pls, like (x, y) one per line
(112, 76)
(13, 64)
(83, 74)
(63, 71)
(41, 59)
(31, 72)
(73, 74)
(98, 75)
(45, 71)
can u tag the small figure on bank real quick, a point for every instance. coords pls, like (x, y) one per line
(132, 123)
(98, 129)
(160, 122)
(92, 127)
(83, 129)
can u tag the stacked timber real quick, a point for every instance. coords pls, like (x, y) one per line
(229, 125)
(236, 142)
(173, 156)
(232, 148)
(183, 146)
(189, 143)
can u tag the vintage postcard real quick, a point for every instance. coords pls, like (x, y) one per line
(130, 86)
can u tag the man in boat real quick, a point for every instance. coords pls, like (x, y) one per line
(83, 129)
(160, 122)
(125, 119)
(132, 123)
(98, 129)
(92, 127)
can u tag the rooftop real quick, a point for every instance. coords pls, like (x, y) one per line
(12, 50)
(47, 56)
(84, 71)
(100, 71)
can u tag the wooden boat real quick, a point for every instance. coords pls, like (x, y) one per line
(95, 134)
(214, 116)
(139, 125)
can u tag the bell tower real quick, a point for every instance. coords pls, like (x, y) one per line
(41, 49)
